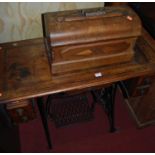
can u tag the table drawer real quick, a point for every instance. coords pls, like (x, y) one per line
(21, 111)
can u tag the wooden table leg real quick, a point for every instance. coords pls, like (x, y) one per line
(44, 118)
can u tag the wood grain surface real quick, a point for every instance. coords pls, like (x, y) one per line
(25, 71)
(90, 38)
(20, 21)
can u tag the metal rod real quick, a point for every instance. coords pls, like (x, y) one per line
(44, 119)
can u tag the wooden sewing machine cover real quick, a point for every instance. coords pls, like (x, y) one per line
(90, 38)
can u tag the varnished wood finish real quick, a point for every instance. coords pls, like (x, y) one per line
(20, 111)
(143, 107)
(25, 72)
(83, 39)
(80, 57)
(115, 3)
(76, 27)
(20, 21)
(141, 101)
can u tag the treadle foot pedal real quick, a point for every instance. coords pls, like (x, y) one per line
(71, 109)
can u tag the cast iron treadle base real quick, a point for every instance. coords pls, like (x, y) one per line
(71, 109)
(106, 97)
